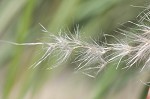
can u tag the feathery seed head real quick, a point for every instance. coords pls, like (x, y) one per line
(94, 57)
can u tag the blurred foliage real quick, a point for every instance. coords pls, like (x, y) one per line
(19, 23)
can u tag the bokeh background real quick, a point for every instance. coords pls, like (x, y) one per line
(19, 22)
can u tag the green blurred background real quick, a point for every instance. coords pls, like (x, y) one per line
(19, 22)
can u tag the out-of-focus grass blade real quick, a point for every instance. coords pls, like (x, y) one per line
(145, 90)
(144, 94)
(9, 11)
(105, 82)
(95, 8)
(13, 72)
(64, 15)
(110, 17)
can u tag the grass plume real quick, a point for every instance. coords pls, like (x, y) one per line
(93, 56)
